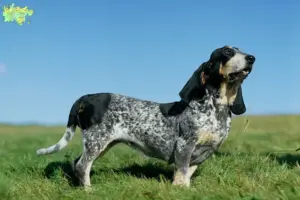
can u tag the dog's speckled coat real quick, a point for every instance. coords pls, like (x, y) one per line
(186, 139)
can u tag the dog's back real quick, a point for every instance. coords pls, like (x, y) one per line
(109, 117)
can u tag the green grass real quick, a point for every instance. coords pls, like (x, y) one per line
(257, 161)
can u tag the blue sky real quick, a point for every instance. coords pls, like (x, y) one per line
(145, 49)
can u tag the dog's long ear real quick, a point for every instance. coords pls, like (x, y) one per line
(238, 107)
(195, 87)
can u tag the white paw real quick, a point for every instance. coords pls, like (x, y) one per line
(88, 188)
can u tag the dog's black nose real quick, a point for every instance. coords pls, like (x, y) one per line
(250, 59)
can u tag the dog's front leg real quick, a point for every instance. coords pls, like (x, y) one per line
(183, 170)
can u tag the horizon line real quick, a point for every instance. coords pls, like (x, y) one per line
(31, 123)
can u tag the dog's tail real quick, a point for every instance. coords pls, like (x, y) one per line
(68, 135)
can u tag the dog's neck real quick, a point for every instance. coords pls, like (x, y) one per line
(210, 104)
(222, 96)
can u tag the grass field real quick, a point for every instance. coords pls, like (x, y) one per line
(257, 161)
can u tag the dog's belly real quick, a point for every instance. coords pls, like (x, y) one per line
(152, 133)
(154, 143)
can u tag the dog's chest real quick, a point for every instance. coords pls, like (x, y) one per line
(211, 125)
(210, 131)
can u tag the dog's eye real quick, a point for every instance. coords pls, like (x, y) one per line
(228, 52)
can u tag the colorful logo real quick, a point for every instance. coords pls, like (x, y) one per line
(16, 14)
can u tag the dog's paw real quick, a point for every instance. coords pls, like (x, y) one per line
(187, 185)
(181, 182)
(88, 188)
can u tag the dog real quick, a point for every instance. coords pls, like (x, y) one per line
(183, 133)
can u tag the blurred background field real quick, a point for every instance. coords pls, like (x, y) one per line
(257, 161)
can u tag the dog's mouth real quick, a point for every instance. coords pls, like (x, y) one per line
(240, 75)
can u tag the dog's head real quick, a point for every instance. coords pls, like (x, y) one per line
(222, 75)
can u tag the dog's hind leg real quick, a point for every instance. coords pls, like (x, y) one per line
(82, 170)
(93, 147)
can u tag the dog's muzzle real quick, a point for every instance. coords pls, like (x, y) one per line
(240, 75)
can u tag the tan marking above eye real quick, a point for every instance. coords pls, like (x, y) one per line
(81, 107)
(203, 78)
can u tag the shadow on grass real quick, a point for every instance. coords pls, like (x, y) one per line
(236, 154)
(289, 159)
(147, 171)
(66, 167)
(152, 171)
